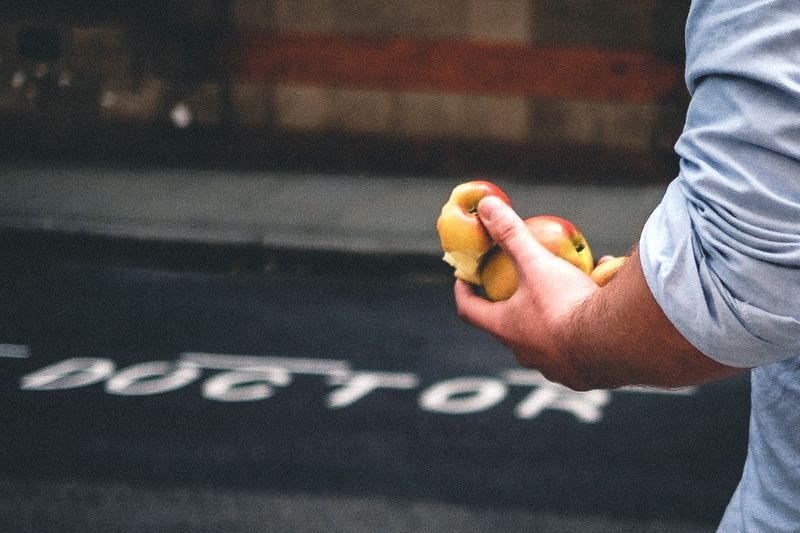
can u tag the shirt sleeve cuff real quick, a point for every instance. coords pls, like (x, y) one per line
(695, 300)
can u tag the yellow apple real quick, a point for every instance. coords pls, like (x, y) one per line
(607, 268)
(463, 238)
(560, 236)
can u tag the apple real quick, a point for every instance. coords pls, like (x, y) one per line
(607, 267)
(464, 239)
(560, 236)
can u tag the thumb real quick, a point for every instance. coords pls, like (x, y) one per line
(508, 230)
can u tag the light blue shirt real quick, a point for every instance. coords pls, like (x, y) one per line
(721, 253)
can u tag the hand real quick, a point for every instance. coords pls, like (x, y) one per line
(533, 323)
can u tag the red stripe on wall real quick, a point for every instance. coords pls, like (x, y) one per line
(452, 66)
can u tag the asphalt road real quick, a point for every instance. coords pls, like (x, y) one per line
(157, 387)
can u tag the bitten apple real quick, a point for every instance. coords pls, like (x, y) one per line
(464, 239)
(560, 236)
(606, 269)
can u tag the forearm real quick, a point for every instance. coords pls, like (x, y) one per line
(562, 324)
(620, 336)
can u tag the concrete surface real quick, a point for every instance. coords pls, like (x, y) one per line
(342, 213)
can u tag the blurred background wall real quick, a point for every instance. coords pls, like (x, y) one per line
(535, 90)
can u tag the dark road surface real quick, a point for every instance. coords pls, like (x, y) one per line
(274, 391)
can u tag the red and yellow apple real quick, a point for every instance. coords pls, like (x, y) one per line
(607, 267)
(560, 236)
(476, 258)
(464, 239)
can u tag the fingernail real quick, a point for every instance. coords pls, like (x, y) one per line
(489, 208)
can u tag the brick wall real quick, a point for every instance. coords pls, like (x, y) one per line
(185, 71)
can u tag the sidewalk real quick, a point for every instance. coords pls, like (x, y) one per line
(342, 213)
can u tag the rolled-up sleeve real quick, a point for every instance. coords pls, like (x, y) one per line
(721, 253)
(721, 320)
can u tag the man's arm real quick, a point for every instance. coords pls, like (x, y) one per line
(576, 333)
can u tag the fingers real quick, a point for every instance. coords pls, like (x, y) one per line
(508, 230)
(474, 309)
(485, 315)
